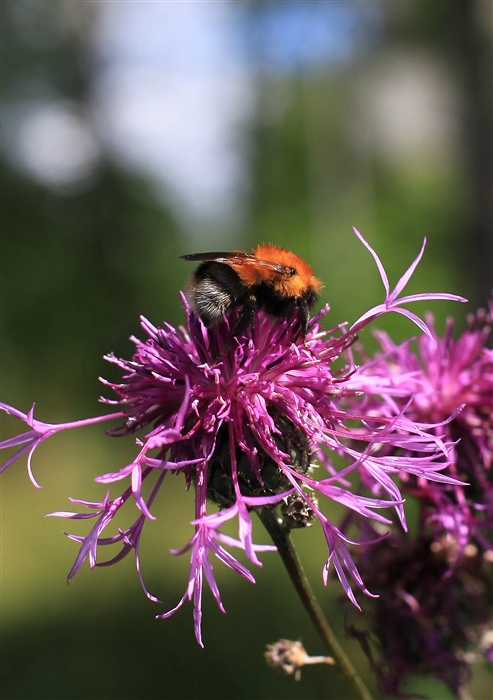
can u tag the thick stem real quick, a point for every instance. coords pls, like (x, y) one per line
(289, 556)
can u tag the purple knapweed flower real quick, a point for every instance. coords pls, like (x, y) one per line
(433, 613)
(426, 619)
(244, 422)
(429, 380)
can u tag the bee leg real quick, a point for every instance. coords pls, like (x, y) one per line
(246, 317)
(246, 320)
(303, 316)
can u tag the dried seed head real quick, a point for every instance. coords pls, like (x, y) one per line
(290, 657)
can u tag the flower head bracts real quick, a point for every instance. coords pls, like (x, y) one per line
(241, 421)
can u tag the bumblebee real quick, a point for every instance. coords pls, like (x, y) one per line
(270, 278)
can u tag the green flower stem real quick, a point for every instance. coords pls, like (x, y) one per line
(289, 556)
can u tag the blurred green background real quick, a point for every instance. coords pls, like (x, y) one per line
(136, 132)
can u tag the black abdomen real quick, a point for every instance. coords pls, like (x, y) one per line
(215, 290)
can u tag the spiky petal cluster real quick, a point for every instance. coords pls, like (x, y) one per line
(241, 422)
(429, 380)
(435, 584)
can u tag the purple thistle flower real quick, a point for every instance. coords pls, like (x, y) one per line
(244, 422)
(429, 382)
(433, 614)
(426, 619)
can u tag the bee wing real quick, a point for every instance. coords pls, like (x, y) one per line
(236, 257)
(239, 258)
(277, 267)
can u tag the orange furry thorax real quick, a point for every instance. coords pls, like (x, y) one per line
(254, 272)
